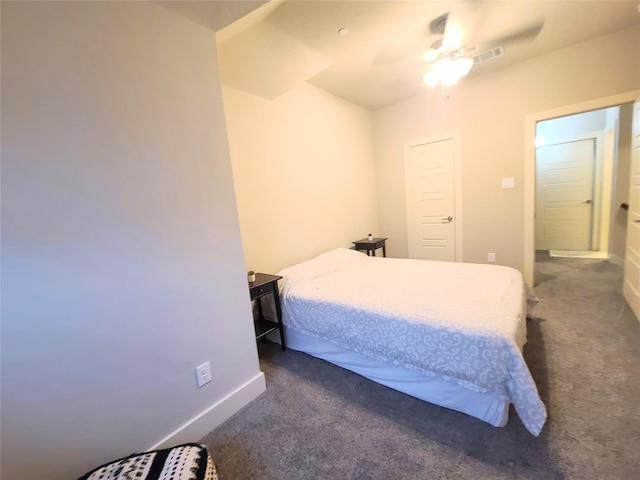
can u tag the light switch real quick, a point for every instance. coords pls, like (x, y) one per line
(508, 183)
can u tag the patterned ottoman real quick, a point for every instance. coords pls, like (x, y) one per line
(183, 462)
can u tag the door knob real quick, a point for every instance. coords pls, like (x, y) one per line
(447, 220)
(587, 202)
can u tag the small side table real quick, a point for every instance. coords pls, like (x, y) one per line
(371, 246)
(266, 284)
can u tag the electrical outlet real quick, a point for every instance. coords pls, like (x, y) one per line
(203, 374)
(491, 257)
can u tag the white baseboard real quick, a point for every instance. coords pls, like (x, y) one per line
(200, 425)
(578, 254)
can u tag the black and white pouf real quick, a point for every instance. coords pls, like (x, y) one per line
(183, 462)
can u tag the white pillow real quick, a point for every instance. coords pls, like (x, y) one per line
(321, 265)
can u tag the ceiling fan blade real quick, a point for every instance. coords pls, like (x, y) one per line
(410, 50)
(524, 35)
(390, 53)
(459, 23)
(516, 38)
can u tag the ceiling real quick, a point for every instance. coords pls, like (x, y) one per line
(284, 43)
(213, 14)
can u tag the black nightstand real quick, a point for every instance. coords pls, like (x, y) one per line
(266, 284)
(371, 245)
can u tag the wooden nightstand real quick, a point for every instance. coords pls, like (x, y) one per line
(266, 284)
(371, 245)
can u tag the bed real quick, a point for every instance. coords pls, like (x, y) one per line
(447, 333)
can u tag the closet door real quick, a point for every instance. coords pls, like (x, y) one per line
(432, 191)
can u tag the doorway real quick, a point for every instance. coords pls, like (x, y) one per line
(577, 179)
(531, 121)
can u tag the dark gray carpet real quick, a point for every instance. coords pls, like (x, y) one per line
(318, 421)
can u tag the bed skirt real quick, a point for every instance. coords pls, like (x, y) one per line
(437, 391)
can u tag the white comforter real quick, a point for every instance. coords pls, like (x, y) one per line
(459, 321)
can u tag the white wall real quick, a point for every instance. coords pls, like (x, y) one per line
(122, 263)
(304, 174)
(490, 110)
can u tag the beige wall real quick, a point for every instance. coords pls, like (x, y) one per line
(489, 111)
(304, 174)
(122, 263)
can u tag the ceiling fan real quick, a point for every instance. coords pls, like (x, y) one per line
(448, 56)
(452, 56)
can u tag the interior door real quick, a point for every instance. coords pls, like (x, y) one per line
(430, 190)
(564, 195)
(631, 286)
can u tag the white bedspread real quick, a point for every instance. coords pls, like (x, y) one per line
(462, 322)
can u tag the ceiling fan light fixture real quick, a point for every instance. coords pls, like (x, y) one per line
(463, 65)
(450, 77)
(448, 71)
(432, 77)
(430, 55)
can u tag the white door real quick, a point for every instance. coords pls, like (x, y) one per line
(430, 170)
(564, 195)
(631, 286)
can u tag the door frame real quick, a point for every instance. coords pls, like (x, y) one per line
(632, 253)
(530, 163)
(457, 183)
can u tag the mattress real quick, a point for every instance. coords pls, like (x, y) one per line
(464, 324)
